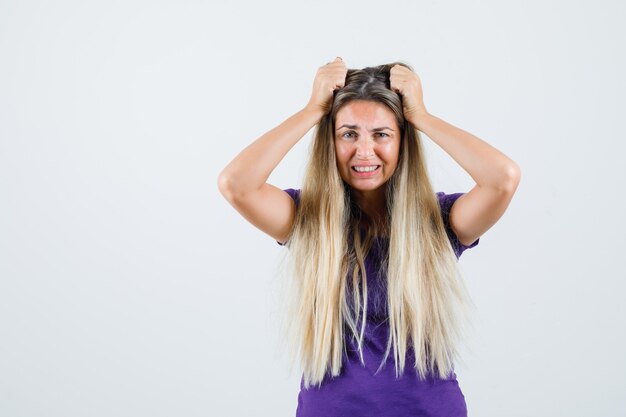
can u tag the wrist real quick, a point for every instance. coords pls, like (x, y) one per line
(417, 118)
(314, 111)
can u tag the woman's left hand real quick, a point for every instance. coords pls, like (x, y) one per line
(407, 83)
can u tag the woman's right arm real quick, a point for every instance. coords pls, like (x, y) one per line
(243, 181)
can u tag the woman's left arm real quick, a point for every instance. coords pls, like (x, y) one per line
(496, 175)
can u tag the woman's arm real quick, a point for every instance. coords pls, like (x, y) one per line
(496, 175)
(243, 181)
(485, 164)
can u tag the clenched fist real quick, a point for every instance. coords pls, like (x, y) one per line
(328, 78)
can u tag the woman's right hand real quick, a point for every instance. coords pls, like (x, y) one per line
(328, 78)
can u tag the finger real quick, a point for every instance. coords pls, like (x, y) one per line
(395, 86)
(338, 59)
(399, 69)
(338, 62)
(340, 81)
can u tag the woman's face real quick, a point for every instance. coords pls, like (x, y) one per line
(366, 136)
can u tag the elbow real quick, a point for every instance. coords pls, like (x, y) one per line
(224, 185)
(513, 176)
(230, 186)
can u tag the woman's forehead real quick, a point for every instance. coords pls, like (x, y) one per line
(365, 115)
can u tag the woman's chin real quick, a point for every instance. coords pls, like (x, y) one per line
(365, 187)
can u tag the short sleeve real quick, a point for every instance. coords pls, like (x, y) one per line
(445, 202)
(295, 195)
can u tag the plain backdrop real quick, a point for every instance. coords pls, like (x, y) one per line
(130, 287)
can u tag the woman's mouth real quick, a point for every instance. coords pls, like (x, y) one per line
(365, 171)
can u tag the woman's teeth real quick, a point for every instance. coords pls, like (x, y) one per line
(365, 169)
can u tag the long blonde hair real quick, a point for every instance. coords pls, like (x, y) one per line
(426, 299)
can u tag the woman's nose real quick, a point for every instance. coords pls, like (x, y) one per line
(364, 148)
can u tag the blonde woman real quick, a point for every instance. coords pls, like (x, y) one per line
(378, 306)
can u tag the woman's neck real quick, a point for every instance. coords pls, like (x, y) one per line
(372, 203)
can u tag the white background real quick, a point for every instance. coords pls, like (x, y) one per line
(130, 287)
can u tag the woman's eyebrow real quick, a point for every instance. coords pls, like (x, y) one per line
(373, 130)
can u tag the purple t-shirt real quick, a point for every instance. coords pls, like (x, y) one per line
(358, 390)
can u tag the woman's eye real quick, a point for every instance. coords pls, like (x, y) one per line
(349, 135)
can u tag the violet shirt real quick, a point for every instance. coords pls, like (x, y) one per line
(358, 391)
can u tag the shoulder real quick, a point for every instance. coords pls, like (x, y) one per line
(293, 193)
(447, 200)
(445, 203)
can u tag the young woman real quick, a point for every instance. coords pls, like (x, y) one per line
(374, 250)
